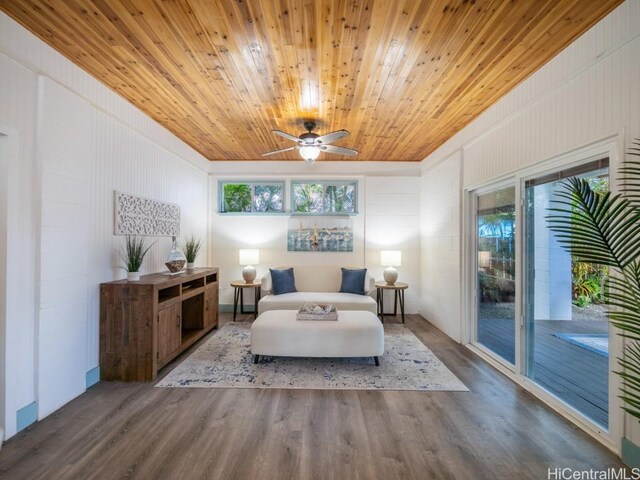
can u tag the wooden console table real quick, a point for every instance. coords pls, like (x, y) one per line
(146, 324)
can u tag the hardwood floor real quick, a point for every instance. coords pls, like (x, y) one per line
(133, 430)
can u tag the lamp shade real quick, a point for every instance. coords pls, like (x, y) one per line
(249, 256)
(391, 258)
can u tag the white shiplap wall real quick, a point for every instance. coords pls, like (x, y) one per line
(440, 274)
(392, 222)
(18, 103)
(589, 92)
(77, 143)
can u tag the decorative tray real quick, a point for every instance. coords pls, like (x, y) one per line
(317, 312)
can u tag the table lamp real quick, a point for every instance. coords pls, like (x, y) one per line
(390, 258)
(249, 257)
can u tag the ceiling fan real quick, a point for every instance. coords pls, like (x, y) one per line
(311, 144)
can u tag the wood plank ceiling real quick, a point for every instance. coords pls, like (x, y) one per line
(401, 76)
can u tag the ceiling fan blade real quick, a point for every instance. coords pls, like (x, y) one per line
(286, 135)
(273, 152)
(339, 150)
(331, 137)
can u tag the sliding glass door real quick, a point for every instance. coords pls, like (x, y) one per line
(541, 314)
(566, 328)
(495, 220)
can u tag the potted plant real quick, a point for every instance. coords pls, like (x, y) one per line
(604, 229)
(133, 253)
(191, 248)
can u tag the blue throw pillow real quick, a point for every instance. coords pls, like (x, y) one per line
(283, 281)
(353, 281)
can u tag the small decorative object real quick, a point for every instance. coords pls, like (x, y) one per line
(390, 258)
(312, 311)
(176, 259)
(191, 249)
(133, 253)
(249, 257)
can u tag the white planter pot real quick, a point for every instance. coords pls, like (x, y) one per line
(133, 276)
(190, 266)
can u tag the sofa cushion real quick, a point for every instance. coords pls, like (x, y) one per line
(353, 280)
(293, 301)
(283, 281)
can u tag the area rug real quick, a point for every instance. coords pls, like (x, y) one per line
(594, 342)
(224, 361)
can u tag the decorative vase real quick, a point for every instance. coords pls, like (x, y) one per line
(176, 259)
(190, 265)
(133, 276)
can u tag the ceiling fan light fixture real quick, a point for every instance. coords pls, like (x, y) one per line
(309, 153)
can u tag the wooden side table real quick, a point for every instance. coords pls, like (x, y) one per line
(239, 286)
(398, 289)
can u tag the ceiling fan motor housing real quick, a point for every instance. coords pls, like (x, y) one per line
(309, 137)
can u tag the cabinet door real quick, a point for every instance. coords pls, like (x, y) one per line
(211, 305)
(169, 331)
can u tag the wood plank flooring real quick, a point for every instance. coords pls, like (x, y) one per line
(135, 431)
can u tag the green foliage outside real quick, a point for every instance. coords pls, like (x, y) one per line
(587, 278)
(319, 198)
(268, 198)
(236, 197)
(252, 197)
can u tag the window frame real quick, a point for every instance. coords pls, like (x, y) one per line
(324, 183)
(252, 184)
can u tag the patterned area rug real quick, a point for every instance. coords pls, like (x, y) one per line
(224, 361)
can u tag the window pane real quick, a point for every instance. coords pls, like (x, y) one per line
(339, 198)
(496, 286)
(236, 197)
(268, 198)
(567, 329)
(307, 197)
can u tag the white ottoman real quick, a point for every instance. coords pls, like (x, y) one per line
(354, 334)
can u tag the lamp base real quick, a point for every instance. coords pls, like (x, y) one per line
(249, 273)
(390, 275)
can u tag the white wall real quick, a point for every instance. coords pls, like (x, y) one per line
(391, 201)
(77, 143)
(18, 100)
(392, 218)
(440, 272)
(587, 93)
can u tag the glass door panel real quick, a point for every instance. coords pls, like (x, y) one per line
(495, 278)
(566, 336)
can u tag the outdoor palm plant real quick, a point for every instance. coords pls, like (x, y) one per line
(604, 229)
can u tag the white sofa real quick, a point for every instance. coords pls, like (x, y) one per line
(317, 284)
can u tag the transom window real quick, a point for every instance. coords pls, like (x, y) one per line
(251, 197)
(324, 198)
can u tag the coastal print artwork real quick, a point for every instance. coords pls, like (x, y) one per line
(320, 234)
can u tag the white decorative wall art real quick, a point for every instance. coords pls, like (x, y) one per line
(143, 216)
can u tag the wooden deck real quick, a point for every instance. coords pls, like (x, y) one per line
(574, 374)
